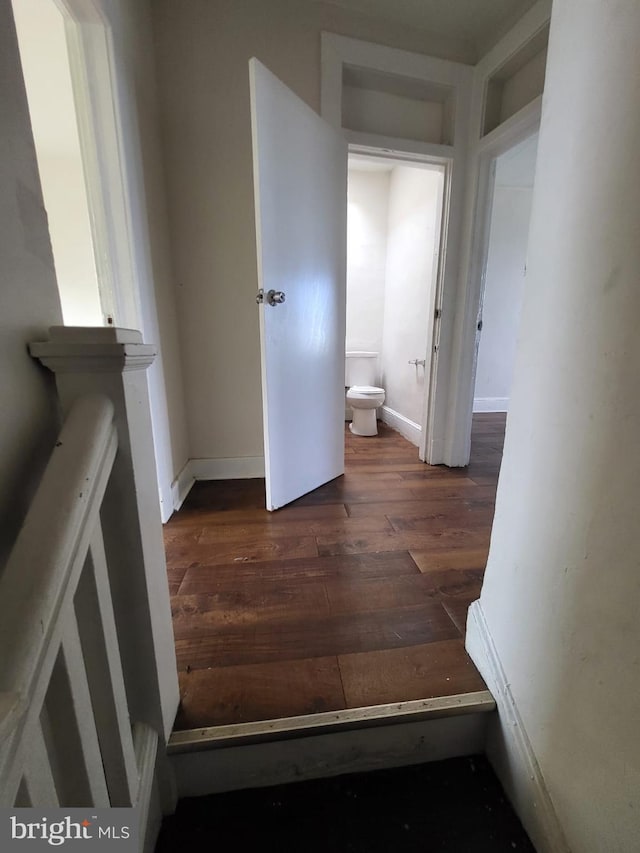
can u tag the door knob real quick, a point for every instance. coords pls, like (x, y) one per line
(275, 297)
(272, 297)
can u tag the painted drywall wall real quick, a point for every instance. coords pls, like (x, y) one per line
(525, 85)
(133, 73)
(135, 79)
(414, 205)
(505, 275)
(29, 301)
(562, 585)
(202, 53)
(367, 212)
(503, 293)
(45, 66)
(392, 115)
(65, 200)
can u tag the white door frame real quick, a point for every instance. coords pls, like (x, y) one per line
(95, 92)
(434, 309)
(337, 52)
(514, 131)
(103, 116)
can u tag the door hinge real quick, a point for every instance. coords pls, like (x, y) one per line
(438, 313)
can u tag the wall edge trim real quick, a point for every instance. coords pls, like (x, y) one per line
(147, 803)
(508, 746)
(181, 486)
(406, 427)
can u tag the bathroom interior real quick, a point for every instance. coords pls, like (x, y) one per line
(393, 236)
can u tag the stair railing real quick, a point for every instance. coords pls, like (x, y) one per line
(65, 732)
(88, 680)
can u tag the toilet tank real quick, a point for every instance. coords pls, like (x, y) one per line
(361, 368)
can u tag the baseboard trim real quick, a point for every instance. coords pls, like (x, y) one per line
(241, 468)
(406, 427)
(508, 746)
(181, 486)
(490, 404)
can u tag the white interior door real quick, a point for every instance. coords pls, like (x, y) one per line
(300, 180)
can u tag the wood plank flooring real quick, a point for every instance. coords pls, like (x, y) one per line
(354, 595)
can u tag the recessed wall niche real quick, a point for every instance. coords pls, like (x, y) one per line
(395, 106)
(516, 82)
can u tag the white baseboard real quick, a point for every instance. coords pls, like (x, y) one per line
(407, 428)
(508, 746)
(241, 468)
(490, 404)
(181, 486)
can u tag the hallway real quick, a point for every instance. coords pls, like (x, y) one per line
(355, 595)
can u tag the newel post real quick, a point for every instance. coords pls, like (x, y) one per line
(114, 362)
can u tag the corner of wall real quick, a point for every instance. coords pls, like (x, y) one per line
(508, 747)
(180, 488)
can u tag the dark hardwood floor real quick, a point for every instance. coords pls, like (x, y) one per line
(354, 595)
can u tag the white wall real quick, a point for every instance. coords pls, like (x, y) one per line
(562, 585)
(135, 76)
(203, 51)
(29, 301)
(414, 206)
(65, 199)
(43, 52)
(390, 114)
(367, 214)
(505, 276)
(525, 85)
(502, 298)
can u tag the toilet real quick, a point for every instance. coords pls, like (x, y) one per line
(363, 395)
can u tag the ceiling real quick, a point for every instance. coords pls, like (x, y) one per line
(481, 22)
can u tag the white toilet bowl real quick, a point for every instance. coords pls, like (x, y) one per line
(364, 400)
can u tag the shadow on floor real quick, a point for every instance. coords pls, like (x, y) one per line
(456, 806)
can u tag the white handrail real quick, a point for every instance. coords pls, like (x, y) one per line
(40, 580)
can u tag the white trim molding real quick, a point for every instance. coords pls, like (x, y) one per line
(333, 753)
(406, 427)
(475, 228)
(508, 746)
(99, 111)
(491, 404)
(240, 468)
(338, 52)
(181, 486)
(148, 801)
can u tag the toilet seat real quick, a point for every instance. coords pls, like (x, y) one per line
(366, 390)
